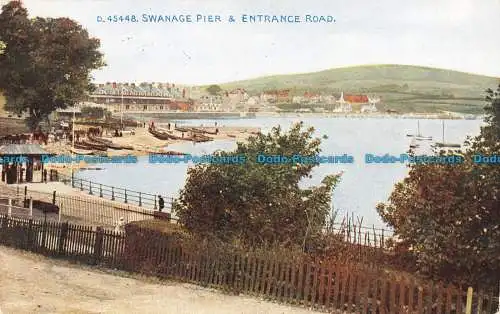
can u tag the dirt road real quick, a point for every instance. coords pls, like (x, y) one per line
(33, 284)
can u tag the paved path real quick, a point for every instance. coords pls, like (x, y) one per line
(33, 284)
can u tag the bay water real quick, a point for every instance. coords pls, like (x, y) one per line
(362, 186)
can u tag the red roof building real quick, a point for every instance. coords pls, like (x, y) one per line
(356, 99)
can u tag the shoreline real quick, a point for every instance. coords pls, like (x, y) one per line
(143, 144)
(209, 115)
(449, 116)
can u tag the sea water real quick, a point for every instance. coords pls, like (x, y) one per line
(363, 185)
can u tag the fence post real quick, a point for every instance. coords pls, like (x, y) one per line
(44, 232)
(25, 192)
(125, 196)
(498, 298)
(62, 238)
(81, 185)
(72, 179)
(100, 190)
(60, 212)
(140, 201)
(90, 187)
(112, 193)
(31, 207)
(30, 235)
(17, 190)
(468, 306)
(155, 203)
(9, 211)
(54, 198)
(98, 244)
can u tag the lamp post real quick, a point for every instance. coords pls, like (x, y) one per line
(121, 110)
(67, 76)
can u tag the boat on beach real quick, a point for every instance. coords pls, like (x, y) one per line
(164, 135)
(81, 151)
(108, 143)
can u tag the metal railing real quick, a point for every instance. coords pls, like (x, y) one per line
(127, 196)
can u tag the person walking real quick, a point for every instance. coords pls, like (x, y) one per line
(161, 203)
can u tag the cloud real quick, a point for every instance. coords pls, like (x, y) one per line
(448, 34)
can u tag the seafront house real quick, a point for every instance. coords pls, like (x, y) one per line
(342, 105)
(276, 96)
(371, 107)
(356, 103)
(143, 97)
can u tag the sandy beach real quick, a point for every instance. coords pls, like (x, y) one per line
(144, 143)
(31, 283)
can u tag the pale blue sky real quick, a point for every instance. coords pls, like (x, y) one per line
(453, 34)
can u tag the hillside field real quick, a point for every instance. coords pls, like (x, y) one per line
(402, 87)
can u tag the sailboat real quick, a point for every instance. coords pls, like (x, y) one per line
(419, 137)
(444, 144)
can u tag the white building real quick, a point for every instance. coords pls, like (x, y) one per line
(253, 101)
(371, 107)
(342, 105)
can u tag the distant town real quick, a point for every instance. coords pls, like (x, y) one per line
(182, 101)
(157, 97)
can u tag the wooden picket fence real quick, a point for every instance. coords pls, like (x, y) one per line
(280, 277)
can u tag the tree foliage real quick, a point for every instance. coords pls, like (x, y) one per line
(449, 215)
(95, 113)
(214, 90)
(255, 202)
(46, 63)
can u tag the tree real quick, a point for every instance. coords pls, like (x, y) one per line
(95, 112)
(257, 202)
(448, 216)
(46, 64)
(214, 90)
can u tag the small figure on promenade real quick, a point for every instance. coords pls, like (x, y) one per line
(120, 225)
(21, 175)
(45, 175)
(169, 126)
(161, 203)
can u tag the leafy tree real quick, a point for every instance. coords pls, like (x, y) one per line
(95, 112)
(46, 62)
(448, 216)
(255, 202)
(214, 90)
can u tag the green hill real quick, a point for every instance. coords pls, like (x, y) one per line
(402, 87)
